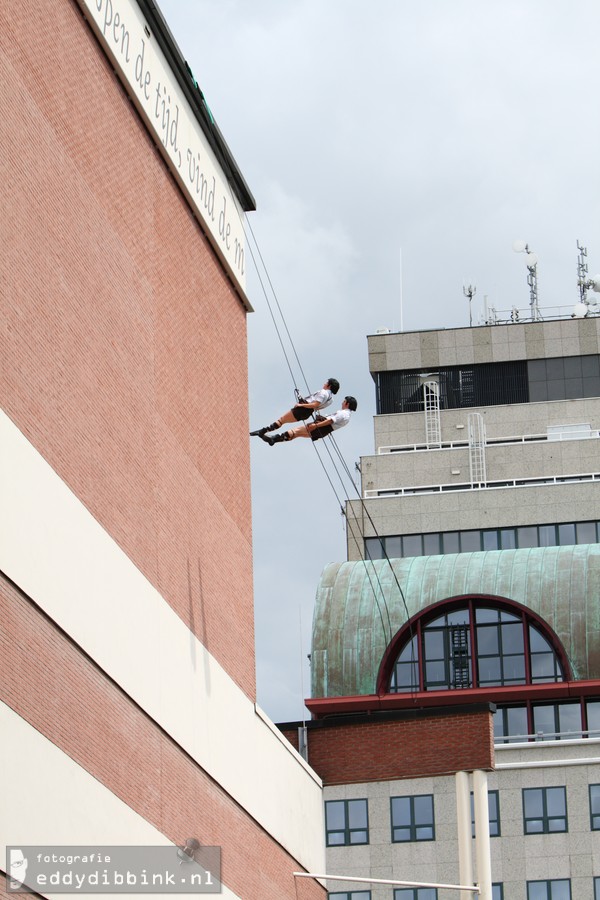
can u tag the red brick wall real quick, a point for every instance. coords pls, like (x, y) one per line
(123, 344)
(404, 748)
(99, 727)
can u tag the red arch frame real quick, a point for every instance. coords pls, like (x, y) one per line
(431, 612)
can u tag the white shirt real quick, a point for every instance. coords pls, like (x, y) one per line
(324, 398)
(339, 418)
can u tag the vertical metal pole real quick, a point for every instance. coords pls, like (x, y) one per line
(483, 854)
(463, 818)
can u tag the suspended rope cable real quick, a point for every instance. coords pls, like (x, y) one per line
(244, 219)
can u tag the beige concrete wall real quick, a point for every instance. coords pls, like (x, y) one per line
(488, 343)
(401, 429)
(391, 471)
(485, 508)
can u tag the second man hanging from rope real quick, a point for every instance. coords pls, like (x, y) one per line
(304, 407)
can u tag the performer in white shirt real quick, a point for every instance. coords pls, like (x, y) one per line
(304, 408)
(319, 429)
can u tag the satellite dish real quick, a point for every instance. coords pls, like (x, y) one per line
(580, 310)
(519, 246)
(596, 283)
(531, 260)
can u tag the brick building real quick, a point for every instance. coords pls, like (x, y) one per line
(457, 650)
(127, 672)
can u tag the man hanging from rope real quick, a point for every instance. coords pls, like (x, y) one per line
(304, 408)
(318, 429)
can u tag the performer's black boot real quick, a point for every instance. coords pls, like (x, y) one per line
(259, 433)
(276, 439)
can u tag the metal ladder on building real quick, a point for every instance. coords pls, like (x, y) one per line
(477, 450)
(431, 405)
(459, 638)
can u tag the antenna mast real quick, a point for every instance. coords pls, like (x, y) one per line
(531, 261)
(469, 291)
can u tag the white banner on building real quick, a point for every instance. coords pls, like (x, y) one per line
(126, 37)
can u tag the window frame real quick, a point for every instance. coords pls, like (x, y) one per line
(548, 882)
(496, 820)
(415, 893)
(592, 814)
(545, 818)
(347, 830)
(412, 826)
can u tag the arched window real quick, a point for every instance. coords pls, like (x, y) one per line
(477, 642)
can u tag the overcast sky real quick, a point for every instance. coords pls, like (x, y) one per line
(395, 150)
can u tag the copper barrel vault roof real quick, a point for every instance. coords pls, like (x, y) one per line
(560, 584)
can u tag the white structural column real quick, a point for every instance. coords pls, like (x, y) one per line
(463, 816)
(482, 834)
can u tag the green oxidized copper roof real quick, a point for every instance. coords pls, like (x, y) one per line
(560, 584)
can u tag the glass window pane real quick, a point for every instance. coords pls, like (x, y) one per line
(517, 720)
(335, 838)
(401, 810)
(506, 616)
(487, 639)
(586, 532)
(373, 548)
(334, 812)
(431, 544)
(435, 672)
(412, 545)
(560, 890)
(490, 670)
(543, 719)
(450, 542)
(537, 890)
(593, 715)
(470, 541)
(542, 666)
(494, 813)
(497, 892)
(566, 534)
(533, 799)
(393, 547)
(358, 837)
(569, 719)
(434, 644)
(406, 677)
(537, 642)
(498, 725)
(484, 614)
(357, 813)
(458, 617)
(408, 653)
(556, 802)
(508, 539)
(527, 536)
(491, 539)
(547, 535)
(401, 834)
(424, 833)
(514, 669)
(423, 809)
(512, 637)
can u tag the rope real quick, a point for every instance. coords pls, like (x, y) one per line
(244, 220)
